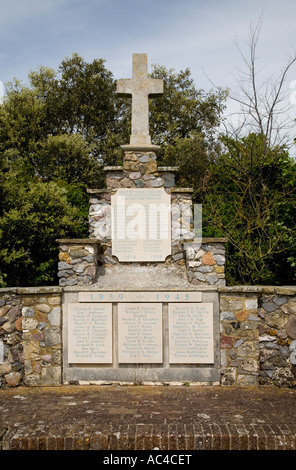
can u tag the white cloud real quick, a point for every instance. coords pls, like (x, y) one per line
(176, 33)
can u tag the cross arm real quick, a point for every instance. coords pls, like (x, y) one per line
(124, 87)
(155, 87)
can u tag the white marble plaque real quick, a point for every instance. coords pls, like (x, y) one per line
(90, 333)
(191, 336)
(141, 224)
(139, 296)
(140, 333)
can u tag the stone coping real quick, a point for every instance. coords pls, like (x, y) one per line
(280, 290)
(113, 190)
(78, 241)
(160, 168)
(32, 290)
(180, 190)
(101, 191)
(207, 240)
(113, 168)
(140, 148)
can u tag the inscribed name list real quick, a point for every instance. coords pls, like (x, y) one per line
(191, 333)
(141, 224)
(140, 333)
(90, 333)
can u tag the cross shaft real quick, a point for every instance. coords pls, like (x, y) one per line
(139, 88)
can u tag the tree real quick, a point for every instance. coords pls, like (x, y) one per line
(252, 202)
(37, 214)
(67, 116)
(57, 134)
(184, 122)
(263, 107)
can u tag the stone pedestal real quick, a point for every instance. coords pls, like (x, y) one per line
(202, 263)
(151, 308)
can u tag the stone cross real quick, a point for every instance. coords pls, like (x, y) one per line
(140, 87)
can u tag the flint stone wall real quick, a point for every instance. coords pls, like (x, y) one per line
(257, 336)
(204, 264)
(78, 259)
(140, 170)
(30, 336)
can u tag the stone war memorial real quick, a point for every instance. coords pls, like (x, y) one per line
(143, 300)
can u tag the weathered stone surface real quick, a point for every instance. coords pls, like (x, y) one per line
(4, 310)
(151, 166)
(211, 279)
(226, 342)
(236, 303)
(269, 306)
(135, 175)
(8, 327)
(29, 324)
(293, 358)
(139, 183)
(291, 327)
(275, 320)
(54, 317)
(52, 336)
(28, 312)
(126, 183)
(18, 324)
(251, 304)
(283, 377)
(78, 253)
(204, 269)
(220, 259)
(241, 315)
(14, 313)
(208, 259)
(292, 307)
(157, 183)
(13, 379)
(44, 308)
(63, 256)
(5, 368)
(168, 180)
(51, 376)
(131, 166)
(228, 376)
(63, 265)
(249, 364)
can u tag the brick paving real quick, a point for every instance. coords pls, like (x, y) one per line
(117, 417)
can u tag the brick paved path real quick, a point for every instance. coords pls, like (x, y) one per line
(170, 417)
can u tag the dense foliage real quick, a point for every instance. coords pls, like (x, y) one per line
(57, 134)
(251, 199)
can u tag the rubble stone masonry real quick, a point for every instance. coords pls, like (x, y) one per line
(257, 336)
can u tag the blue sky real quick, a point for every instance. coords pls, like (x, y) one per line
(176, 33)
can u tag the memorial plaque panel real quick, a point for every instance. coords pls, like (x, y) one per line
(90, 333)
(139, 333)
(157, 296)
(191, 338)
(141, 224)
